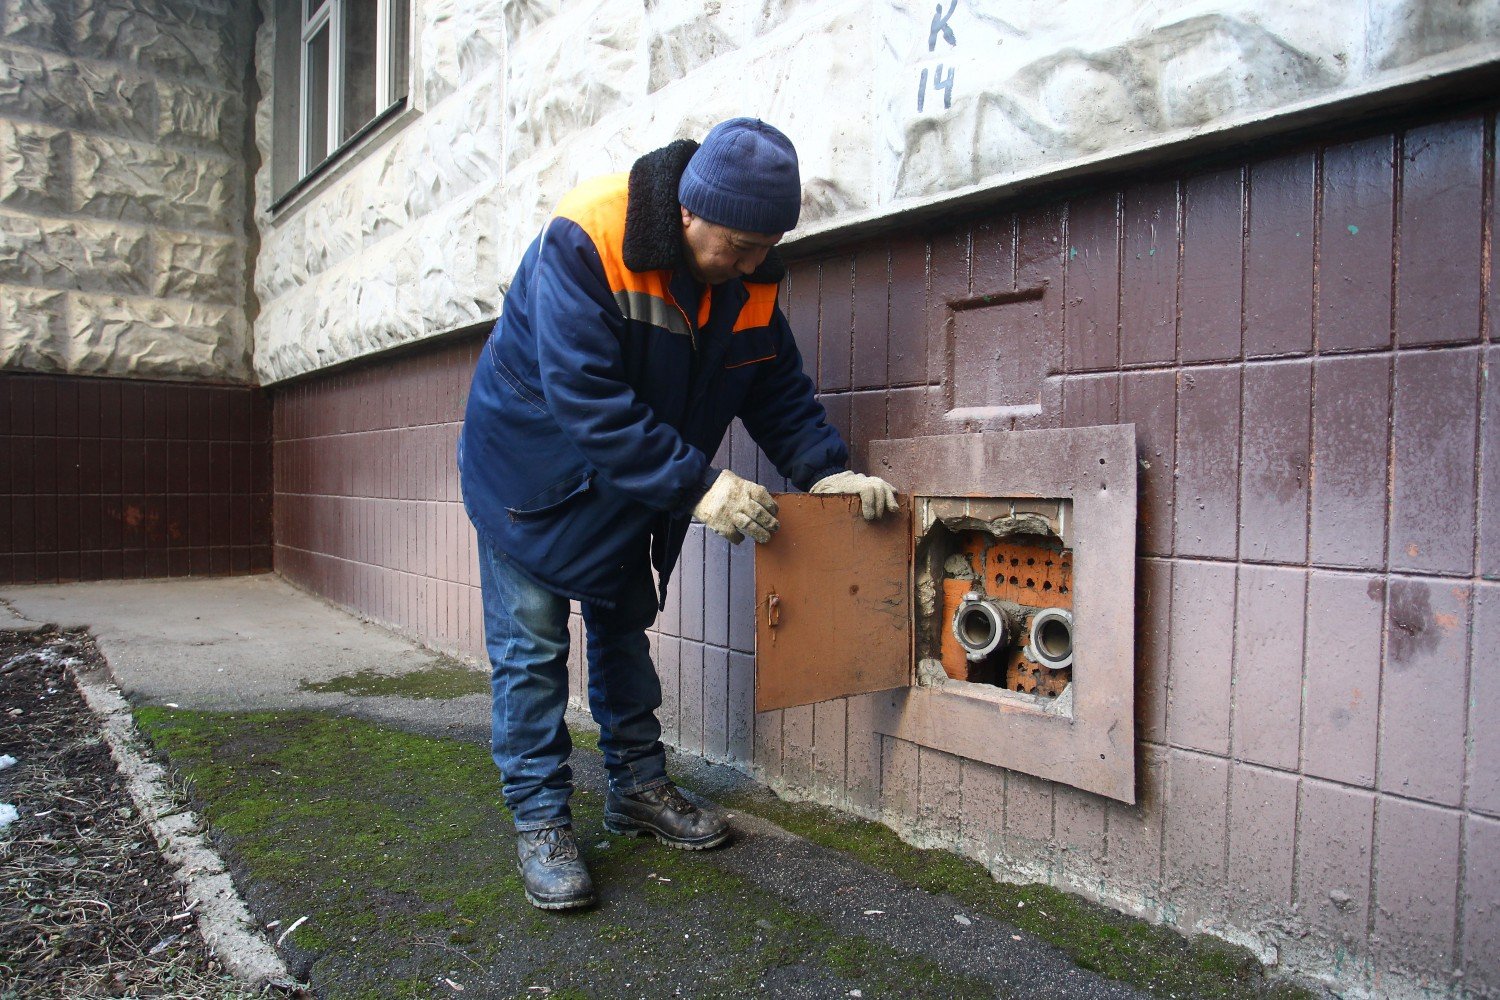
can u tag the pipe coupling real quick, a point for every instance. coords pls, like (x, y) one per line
(1051, 640)
(982, 625)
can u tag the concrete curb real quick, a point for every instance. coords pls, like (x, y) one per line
(19, 623)
(223, 919)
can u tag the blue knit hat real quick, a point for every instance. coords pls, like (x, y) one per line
(744, 176)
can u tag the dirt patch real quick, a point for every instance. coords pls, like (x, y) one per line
(88, 906)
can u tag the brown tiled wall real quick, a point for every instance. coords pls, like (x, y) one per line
(1304, 343)
(367, 505)
(106, 479)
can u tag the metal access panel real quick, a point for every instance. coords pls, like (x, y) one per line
(833, 603)
(844, 609)
(1091, 745)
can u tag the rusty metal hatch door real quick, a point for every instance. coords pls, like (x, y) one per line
(833, 603)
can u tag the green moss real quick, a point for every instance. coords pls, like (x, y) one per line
(615, 932)
(310, 939)
(397, 840)
(447, 678)
(1154, 958)
(858, 961)
(366, 831)
(407, 989)
(586, 739)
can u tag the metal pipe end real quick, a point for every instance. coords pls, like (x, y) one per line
(979, 626)
(1051, 640)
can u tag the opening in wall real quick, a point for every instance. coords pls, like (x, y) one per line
(994, 590)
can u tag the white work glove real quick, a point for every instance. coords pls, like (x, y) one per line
(876, 496)
(736, 507)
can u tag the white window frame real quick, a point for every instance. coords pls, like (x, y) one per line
(316, 14)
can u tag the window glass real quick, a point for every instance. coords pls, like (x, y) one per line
(400, 44)
(317, 98)
(340, 65)
(361, 20)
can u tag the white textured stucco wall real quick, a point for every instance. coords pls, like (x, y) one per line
(518, 99)
(403, 245)
(122, 187)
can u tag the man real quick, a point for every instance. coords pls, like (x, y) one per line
(640, 323)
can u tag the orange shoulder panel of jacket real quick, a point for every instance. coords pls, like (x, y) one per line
(598, 207)
(758, 307)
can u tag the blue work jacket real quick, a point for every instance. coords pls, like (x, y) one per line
(604, 388)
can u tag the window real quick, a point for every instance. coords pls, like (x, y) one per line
(341, 67)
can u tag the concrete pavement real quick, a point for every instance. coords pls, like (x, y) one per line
(246, 643)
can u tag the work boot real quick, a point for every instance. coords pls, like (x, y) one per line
(667, 814)
(552, 872)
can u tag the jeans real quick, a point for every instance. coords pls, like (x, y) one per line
(526, 633)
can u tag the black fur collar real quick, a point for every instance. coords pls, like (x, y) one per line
(653, 222)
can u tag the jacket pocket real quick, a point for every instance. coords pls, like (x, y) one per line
(513, 380)
(750, 347)
(553, 497)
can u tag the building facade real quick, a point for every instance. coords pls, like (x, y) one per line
(1261, 237)
(135, 440)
